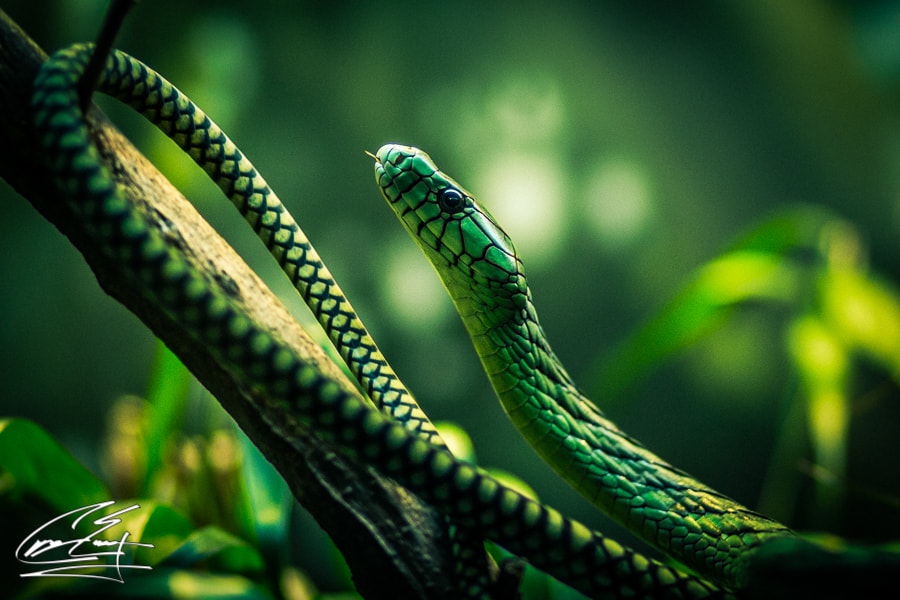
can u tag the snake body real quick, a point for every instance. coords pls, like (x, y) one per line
(695, 524)
(172, 112)
(151, 95)
(479, 266)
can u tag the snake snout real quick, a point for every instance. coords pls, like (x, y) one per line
(394, 153)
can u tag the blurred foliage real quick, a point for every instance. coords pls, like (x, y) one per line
(840, 316)
(622, 145)
(215, 524)
(212, 516)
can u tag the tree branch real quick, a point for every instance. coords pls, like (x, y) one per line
(396, 547)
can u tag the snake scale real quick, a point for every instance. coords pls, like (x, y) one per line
(480, 269)
(173, 113)
(477, 262)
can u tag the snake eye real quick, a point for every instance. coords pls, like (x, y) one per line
(451, 200)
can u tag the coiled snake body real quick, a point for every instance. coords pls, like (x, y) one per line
(478, 264)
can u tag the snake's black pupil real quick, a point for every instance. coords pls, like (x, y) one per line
(451, 200)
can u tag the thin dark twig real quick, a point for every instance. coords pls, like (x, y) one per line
(112, 23)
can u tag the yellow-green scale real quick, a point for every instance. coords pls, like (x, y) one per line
(663, 505)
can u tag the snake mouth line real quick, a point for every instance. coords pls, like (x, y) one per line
(379, 174)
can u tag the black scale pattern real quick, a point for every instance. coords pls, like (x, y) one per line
(295, 391)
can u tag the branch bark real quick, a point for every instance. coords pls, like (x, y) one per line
(395, 546)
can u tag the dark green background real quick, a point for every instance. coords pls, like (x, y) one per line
(704, 116)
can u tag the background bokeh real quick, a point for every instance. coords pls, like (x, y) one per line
(621, 145)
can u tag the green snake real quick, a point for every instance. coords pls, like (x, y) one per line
(164, 105)
(481, 271)
(694, 524)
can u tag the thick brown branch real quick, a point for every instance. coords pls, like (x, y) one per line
(395, 546)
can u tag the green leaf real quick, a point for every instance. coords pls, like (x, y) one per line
(513, 481)
(719, 286)
(458, 440)
(157, 524)
(224, 552)
(795, 227)
(167, 396)
(35, 466)
(270, 500)
(167, 583)
(770, 263)
(185, 584)
(823, 364)
(865, 313)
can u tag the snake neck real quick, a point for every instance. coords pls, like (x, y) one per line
(533, 386)
(517, 339)
(661, 503)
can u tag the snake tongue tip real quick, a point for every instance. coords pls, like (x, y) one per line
(372, 155)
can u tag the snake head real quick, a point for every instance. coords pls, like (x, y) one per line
(470, 252)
